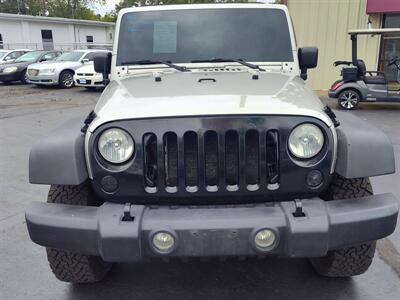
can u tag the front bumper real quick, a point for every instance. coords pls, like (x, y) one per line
(212, 231)
(90, 81)
(44, 79)
(15, 76)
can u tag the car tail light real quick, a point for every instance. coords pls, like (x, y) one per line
(336, 85)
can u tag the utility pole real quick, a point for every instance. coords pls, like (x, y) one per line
(19, 9)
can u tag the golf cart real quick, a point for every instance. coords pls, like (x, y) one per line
(358, 84)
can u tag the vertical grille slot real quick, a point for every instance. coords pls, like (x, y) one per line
(272, 161)
(252, 149)
(232, 160)
(150, 162)
(211, 160)
(191, 160)
(170, 147)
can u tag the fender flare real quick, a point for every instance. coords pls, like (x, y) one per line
(358, 86)
(59, 156)
(362, 150)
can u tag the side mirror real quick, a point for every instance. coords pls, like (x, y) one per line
(85, 60)
(308, 59)
(102, 64)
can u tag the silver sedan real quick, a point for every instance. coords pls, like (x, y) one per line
(61, 71)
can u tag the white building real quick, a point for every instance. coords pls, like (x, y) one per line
(32, 32)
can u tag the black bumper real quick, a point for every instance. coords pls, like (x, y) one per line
(16, 76)
(212, 231)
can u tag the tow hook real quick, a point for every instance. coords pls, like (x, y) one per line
(127, 213)
(298, 213)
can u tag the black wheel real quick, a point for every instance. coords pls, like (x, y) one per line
(349, 99)
(350, 261)
(66, 80)
(68, 266)
(24, 77)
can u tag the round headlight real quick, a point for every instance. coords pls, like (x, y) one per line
(116, 145)
(306, 141)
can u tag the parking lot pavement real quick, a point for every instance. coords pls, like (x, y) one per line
(28, 112)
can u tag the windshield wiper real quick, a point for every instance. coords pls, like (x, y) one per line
(155, 62)
(220, 60)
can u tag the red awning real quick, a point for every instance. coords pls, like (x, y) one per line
(383, 6)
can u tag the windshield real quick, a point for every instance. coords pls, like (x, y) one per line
(180, 36)
(3, 53)
(70, 56)
(30, 56)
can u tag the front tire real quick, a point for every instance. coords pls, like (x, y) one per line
(24, 77)
(66, 80)
(68, 266)
(349, 261)
(349, 99)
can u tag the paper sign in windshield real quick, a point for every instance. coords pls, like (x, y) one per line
(164, 37)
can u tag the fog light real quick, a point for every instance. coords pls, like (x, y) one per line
(265, 238)
(163, 242)
(109, 184)
(314, 178)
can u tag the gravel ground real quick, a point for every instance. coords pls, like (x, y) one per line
(27, 112)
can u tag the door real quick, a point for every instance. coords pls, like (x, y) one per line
(47, 39)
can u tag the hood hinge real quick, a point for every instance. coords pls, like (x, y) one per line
(91, 116)
(331, 115)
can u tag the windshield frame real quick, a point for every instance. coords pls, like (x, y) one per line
(293, 62)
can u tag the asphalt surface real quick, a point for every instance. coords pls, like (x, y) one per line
(27, 112)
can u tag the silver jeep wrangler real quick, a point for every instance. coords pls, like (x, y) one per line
(207, 143)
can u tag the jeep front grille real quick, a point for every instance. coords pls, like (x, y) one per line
(212, 161)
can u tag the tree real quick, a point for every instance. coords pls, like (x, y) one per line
(76, 9)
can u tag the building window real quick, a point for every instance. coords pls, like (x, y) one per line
(1, 41)
(47, 39)
(390, 48)
(89, 39)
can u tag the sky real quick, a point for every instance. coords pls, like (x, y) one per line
(110, 5)
(102, 9)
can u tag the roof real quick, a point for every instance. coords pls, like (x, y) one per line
(375, 31)
(15, 17)
(203, 6)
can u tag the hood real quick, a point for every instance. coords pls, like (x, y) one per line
(18, 64)
(86, 69)
(203, 93)
(21, 64)
(56, 65)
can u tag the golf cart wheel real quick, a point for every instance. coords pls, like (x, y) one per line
(68, 266)
(349, 261)
(24, 77)
(66, 80)
(349, 99)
